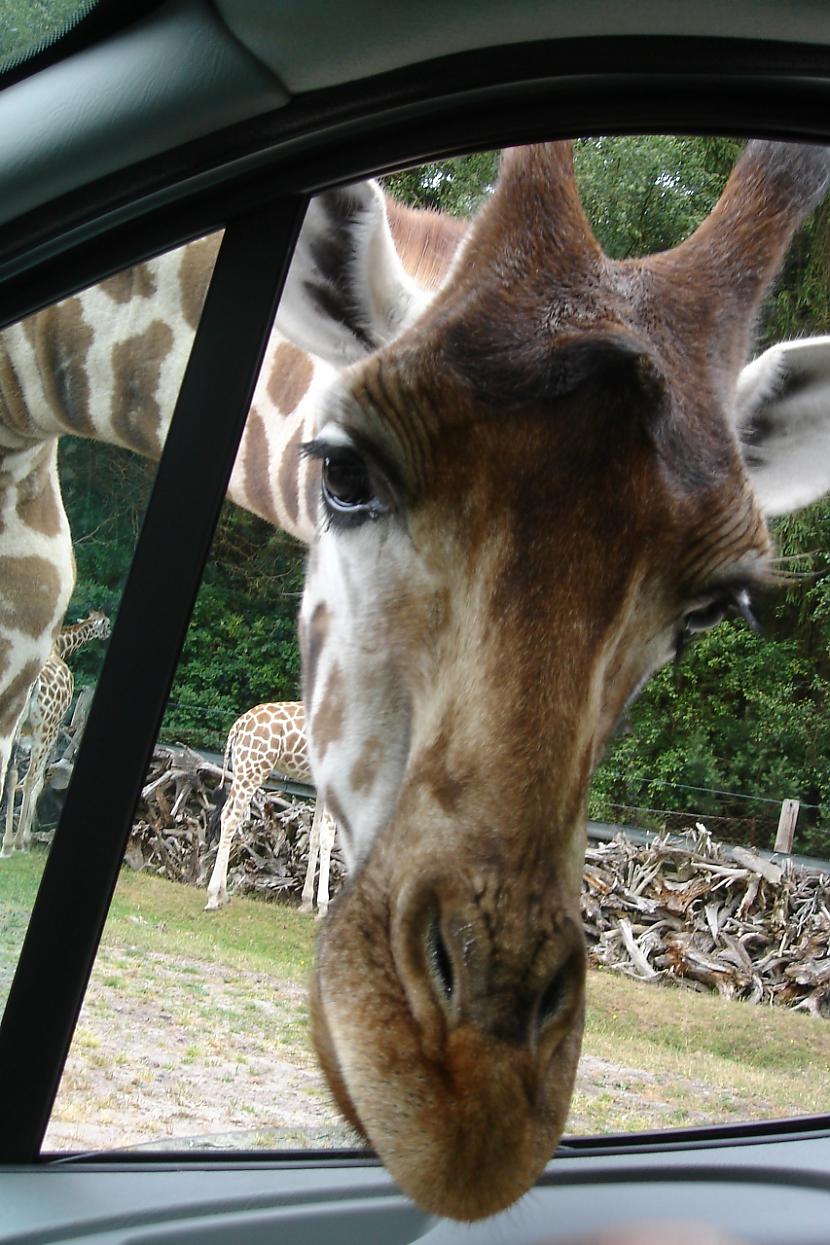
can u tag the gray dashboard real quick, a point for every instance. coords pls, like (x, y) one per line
(769, 1193)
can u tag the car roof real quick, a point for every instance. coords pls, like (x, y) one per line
(194, 92)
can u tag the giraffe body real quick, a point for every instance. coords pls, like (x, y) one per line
(48, 703)
(266, 739)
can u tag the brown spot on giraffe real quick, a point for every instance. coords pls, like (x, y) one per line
(135, 282)
(14, 697)
(256, 468)
(445, 783)
(364, 771)
(198, 262)
(328, 720)
(34, 585)
(291, 375)
(288, 473)
(38, 500)
(61, 339)
(13, 408)
(312, 638)
(136, 415)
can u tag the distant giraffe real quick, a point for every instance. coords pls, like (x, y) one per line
(49, 699)
(265, 739)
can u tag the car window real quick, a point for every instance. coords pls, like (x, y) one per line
(705, 986)
(30, 28)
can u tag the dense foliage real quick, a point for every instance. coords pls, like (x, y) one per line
(241, 646)
(740, 724)
(743, 714)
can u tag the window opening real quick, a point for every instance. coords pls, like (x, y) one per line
(220, 991)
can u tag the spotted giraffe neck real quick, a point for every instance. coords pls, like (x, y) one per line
(73, 636)
(106, 364)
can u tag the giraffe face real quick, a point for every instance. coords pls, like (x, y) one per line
(529, 499)
(464, 671)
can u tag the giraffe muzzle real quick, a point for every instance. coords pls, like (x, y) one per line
(463, 962)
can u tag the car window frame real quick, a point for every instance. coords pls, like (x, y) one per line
(78, 265)
(189, 489)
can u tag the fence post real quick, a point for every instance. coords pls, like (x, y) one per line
(786, 826)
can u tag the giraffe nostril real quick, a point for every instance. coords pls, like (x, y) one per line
(555, 999)
(439, 960)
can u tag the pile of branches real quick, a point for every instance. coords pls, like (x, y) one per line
(176, 830)
(713, 917)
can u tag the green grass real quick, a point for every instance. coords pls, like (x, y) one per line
(151, 914)
(19, 877)
(156, 915)
(695, 1058)
(685, 1025)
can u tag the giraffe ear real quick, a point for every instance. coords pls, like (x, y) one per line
(782, 410)
(347, 292)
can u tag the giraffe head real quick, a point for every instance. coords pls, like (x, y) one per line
(532, 490)
(99, 625)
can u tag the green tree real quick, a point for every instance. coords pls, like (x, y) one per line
(241, 646)
(647, 193)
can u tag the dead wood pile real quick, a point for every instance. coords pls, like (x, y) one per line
(682, 908)
(176, 830)
(713, 917)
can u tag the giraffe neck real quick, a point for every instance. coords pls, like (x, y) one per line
(74, 636)
(107, 364)
(71, 638)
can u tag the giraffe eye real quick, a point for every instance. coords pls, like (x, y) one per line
(707, 616)
(350, 494)
(732, 601)
(353, 488)
(346, 482)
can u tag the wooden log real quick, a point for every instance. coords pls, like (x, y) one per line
(786, 827)
(751, 860)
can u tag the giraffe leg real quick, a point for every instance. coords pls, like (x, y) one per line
(9, 764)
(233, 815)
(307, 902)
(328, 829)
(32, 787)
(11, 792)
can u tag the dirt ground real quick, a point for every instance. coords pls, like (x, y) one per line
(190, 1054)
(183, 1050)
